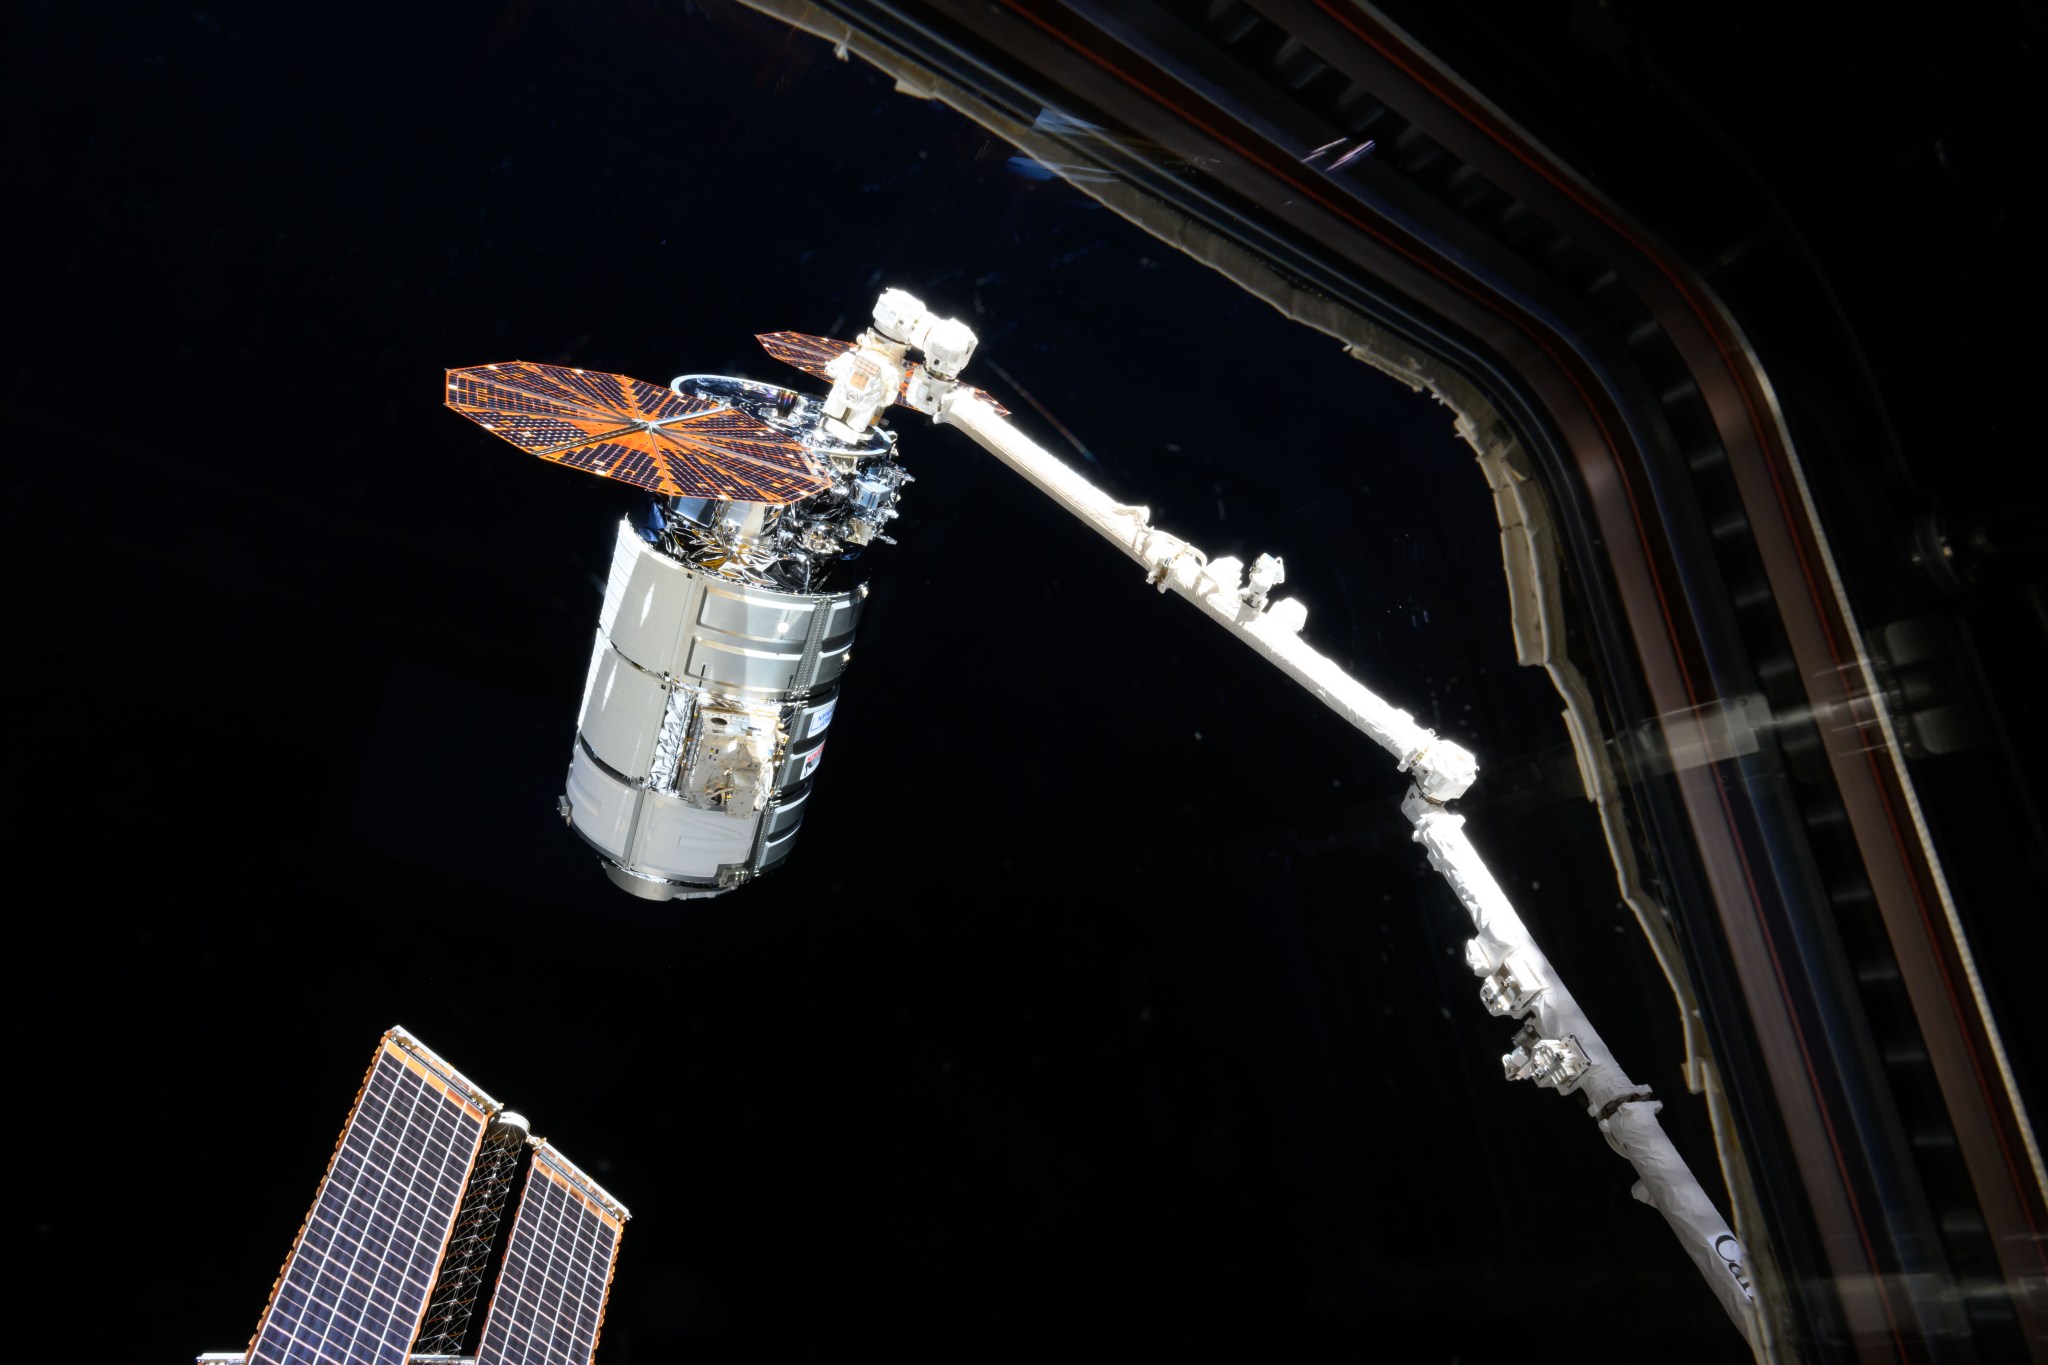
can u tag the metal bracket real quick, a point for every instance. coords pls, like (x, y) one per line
(1553, 1063)
(1512, 988)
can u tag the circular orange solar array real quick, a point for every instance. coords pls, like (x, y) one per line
(636, 432)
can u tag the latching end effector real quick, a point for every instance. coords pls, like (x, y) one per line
(1553, 1063)
(1510, 987)
(880, 370)
(1268, 572)
(947, 343)
(1442, 771)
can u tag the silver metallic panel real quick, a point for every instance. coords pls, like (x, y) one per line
(841, 616)
(773, 619)
(798, 764)
(736, 666)
(786, 817)
(776, 849)
(649, 600)
(678, 840)
(622, 713)
(832, 662)
(671, 743)
(600, 806)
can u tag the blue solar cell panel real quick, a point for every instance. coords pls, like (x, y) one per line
(356, 1282)
(549, 1302)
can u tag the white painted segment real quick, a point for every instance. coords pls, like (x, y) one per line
(601, 806)
(616, 581)
(679, 840)
(656, 598)
(1444, 769)
(1441, 771)
(622, 712)
(1666, 1184)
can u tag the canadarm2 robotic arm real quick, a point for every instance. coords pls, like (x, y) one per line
(1556, 1047)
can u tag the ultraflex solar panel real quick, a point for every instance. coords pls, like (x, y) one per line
(356, 1282)
(636, 432)
(812, 354)
(549, 1302)
(808, 353)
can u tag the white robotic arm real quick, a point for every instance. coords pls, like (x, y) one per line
(1557, 1046)
(878, 370)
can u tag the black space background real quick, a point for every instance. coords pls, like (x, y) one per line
(1104, 1004)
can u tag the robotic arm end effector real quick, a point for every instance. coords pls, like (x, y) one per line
(879, 370)
(947, 343)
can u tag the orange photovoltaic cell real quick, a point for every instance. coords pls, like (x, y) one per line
(812, 354)
(808, 353)
(636, 432)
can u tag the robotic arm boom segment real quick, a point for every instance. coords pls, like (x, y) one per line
(1557, 1046)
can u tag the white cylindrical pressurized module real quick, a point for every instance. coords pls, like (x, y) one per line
(724, 631)
(730, 609)
(704, 719)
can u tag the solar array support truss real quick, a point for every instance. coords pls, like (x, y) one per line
(458, 1293)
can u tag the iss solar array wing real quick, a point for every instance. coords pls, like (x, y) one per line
(355, 1284)
(557, 1271)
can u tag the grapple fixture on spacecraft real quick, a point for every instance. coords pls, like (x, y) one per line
(730, 610)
